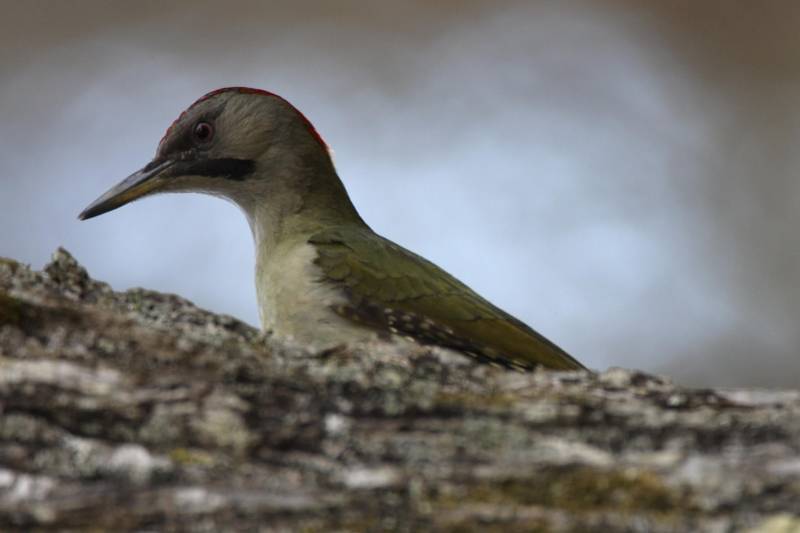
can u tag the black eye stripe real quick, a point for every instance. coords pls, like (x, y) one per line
(229, 168)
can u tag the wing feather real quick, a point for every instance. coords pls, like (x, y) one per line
(393, 289)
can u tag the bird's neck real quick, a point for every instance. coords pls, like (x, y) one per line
(297, 202)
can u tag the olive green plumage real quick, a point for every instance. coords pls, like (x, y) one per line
(392, 289)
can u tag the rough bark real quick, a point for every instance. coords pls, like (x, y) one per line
(139, 411)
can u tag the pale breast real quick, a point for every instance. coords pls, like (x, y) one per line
(296, 306)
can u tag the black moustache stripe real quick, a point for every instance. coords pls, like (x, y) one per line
(228, 168)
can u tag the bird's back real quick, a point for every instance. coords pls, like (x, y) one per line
(392, 289)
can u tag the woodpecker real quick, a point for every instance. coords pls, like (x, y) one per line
(323, 277)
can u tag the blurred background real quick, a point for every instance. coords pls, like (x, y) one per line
(622, 175)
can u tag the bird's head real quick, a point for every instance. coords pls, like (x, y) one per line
(237, 143)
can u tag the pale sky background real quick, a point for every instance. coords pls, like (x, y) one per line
(621, 175)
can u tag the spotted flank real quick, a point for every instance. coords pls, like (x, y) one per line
(393, 290)
(426, 332)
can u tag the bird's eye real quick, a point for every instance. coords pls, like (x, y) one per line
(203, 132)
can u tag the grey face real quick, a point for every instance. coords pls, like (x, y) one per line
(197, 148)
(201, 147)
(229, 143)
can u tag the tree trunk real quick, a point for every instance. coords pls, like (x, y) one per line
(139, 411)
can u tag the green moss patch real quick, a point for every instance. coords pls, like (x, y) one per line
(12, 310)
(187, 457)
(582, 489)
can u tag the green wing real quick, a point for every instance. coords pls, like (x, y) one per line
(392, 289)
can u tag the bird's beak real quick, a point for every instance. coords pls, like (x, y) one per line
(137, 185)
